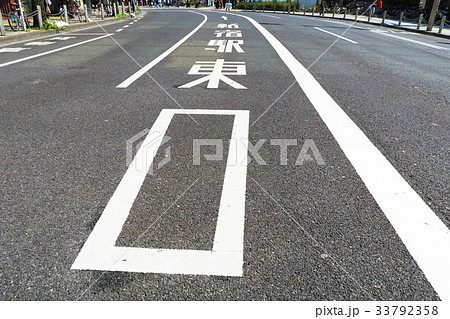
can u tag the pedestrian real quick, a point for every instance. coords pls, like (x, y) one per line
(379, 5)
(228, 5)
(323, 6)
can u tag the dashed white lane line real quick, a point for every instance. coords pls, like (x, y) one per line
(411, 40)
(62, 38)
(51, 51)
(12, 50)
(39, 43)
(150, 65)
(126, 26)
(336, 35)
(119, 30)
(270, 16)
(343, 23)
(423, 233)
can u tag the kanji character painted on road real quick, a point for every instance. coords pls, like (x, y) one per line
(227, 45)
(228, 33)
(216, 71)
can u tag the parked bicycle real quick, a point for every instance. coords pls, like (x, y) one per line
(15, 19)
(75, 11)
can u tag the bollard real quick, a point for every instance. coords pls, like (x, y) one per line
(129, 7)
(2, 27)
(345, 12)
(356, 15)
(400, 18)
(289, 7)
(123, 9)
(66, 16)
(384, 17)
(86, 15)
(441, 26)
(114, 9)
(368, 19)
(314, 9)
(102, 11)
(39, 16)
(334, 10)
(419, 24)
(22, 17)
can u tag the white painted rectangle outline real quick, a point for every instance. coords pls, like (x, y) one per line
(225, 259)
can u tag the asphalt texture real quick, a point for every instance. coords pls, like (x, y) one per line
(312, 232)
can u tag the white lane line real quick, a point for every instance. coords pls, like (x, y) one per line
(39, 43)
(14, 50)
(270, 16)
(411, 40)
(336, 35)
(62, 38)
(226, 257)
(126, 26)
(343, 23)
(51, 51)
(423, 233)
(150, 65)
(119, 30)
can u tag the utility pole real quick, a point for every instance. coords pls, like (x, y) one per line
(433, 14)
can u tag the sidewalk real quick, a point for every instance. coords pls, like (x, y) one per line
(74, 24)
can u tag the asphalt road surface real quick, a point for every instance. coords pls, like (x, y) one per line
(345, 196)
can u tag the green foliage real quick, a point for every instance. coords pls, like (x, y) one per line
(121, 15)
(50, 25)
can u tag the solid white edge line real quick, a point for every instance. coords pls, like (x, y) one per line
(336, 35)
(150, 65)
(51, 51)
(422, 232)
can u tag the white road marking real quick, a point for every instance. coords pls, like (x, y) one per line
(119, 30)
(126, 26)
(411, 40)
(62, 38)
(423, 233)
(143, 70)
(227, 26)
(226, 257)
(343, 23)
(12, 50)
(216, 71)
(228, 33)
(39, 43)
(225, 18)
(270, 16)
(208, 49)
(50, 52)
(336, 35)
(227, 45)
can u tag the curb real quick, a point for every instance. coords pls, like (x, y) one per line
(24, 36)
